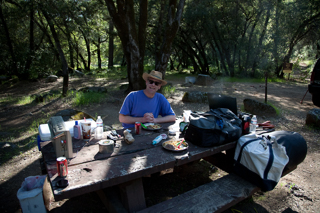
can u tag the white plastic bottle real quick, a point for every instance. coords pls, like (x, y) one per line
(76, 131)
(99, 129)
(253, 124)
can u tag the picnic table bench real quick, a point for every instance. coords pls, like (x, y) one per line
(91, 171)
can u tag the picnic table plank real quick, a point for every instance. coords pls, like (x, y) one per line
(111, 171)
(216, 196)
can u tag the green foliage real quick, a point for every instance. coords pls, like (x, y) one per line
(116, 72)
(276, 108)
(25, 100)
(245, 38)
(83, 99)
(168, 90)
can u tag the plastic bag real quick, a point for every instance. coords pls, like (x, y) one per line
(33, 182)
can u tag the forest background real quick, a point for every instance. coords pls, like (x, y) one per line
(231, 38)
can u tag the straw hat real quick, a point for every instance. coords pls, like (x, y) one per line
(154, 74)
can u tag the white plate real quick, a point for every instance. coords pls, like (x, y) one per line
(183, 146)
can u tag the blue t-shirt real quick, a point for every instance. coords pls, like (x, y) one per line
(137, 104)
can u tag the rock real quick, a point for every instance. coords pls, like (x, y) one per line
(258, 108)
(313, 117)
(52, 78)
(71, 114)
(7, 145)
(190, 79)
(196, 97)
(189, 84)
(203, 80)
(93, 89)
(78, 73)
(38, 98)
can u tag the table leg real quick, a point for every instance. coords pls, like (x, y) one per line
(132, 195)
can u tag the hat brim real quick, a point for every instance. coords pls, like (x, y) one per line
(145, 76)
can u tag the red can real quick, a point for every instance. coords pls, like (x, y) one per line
(62, 166)
(137, 127)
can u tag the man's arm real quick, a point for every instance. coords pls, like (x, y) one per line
(168, 118)
(131, 120)
(147, 118)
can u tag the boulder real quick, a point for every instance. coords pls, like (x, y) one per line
(93, 89)
(189, 84)
(38, 98)
(7, 146)
(190, 79)
(78, 73)
(313, 117)
(203, 80)
(195, 96)
(52, 78)
(258, 108)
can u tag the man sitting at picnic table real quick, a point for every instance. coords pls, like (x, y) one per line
(146, 105)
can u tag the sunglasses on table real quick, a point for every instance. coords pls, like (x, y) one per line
(155, 82)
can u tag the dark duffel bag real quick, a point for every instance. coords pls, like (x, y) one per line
(213, 128)
(296, 147)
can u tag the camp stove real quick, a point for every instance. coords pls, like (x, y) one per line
(60, 137)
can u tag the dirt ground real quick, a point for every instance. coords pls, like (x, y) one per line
(296, 192)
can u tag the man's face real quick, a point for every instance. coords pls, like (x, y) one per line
(153, 85)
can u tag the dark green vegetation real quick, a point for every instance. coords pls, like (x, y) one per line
(229, 38)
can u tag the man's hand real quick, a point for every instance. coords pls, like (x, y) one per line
(148, 118)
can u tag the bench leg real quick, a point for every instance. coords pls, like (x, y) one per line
(132, 195)
(221, 160)
(110, 200)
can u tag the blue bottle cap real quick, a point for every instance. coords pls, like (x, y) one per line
(76, 122)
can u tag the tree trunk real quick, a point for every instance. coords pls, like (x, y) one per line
(87, 40)
(61, 54)
(68, 35)
(111, 45)
(258, 49)
(31, 41)
(249, 47)
(83, 61)
(9, 42)
(133, 41)
(173, 23)
(219, 46)
(99, 53)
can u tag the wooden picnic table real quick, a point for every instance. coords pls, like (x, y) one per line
(90, 171)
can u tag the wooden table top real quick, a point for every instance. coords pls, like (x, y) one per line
(90, 170)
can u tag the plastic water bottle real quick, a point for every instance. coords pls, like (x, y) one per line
(99, 129)
(253, 124)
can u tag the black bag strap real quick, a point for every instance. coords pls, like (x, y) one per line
(243, 146)
(270, 161)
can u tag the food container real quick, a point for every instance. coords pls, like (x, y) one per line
(106, 146)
